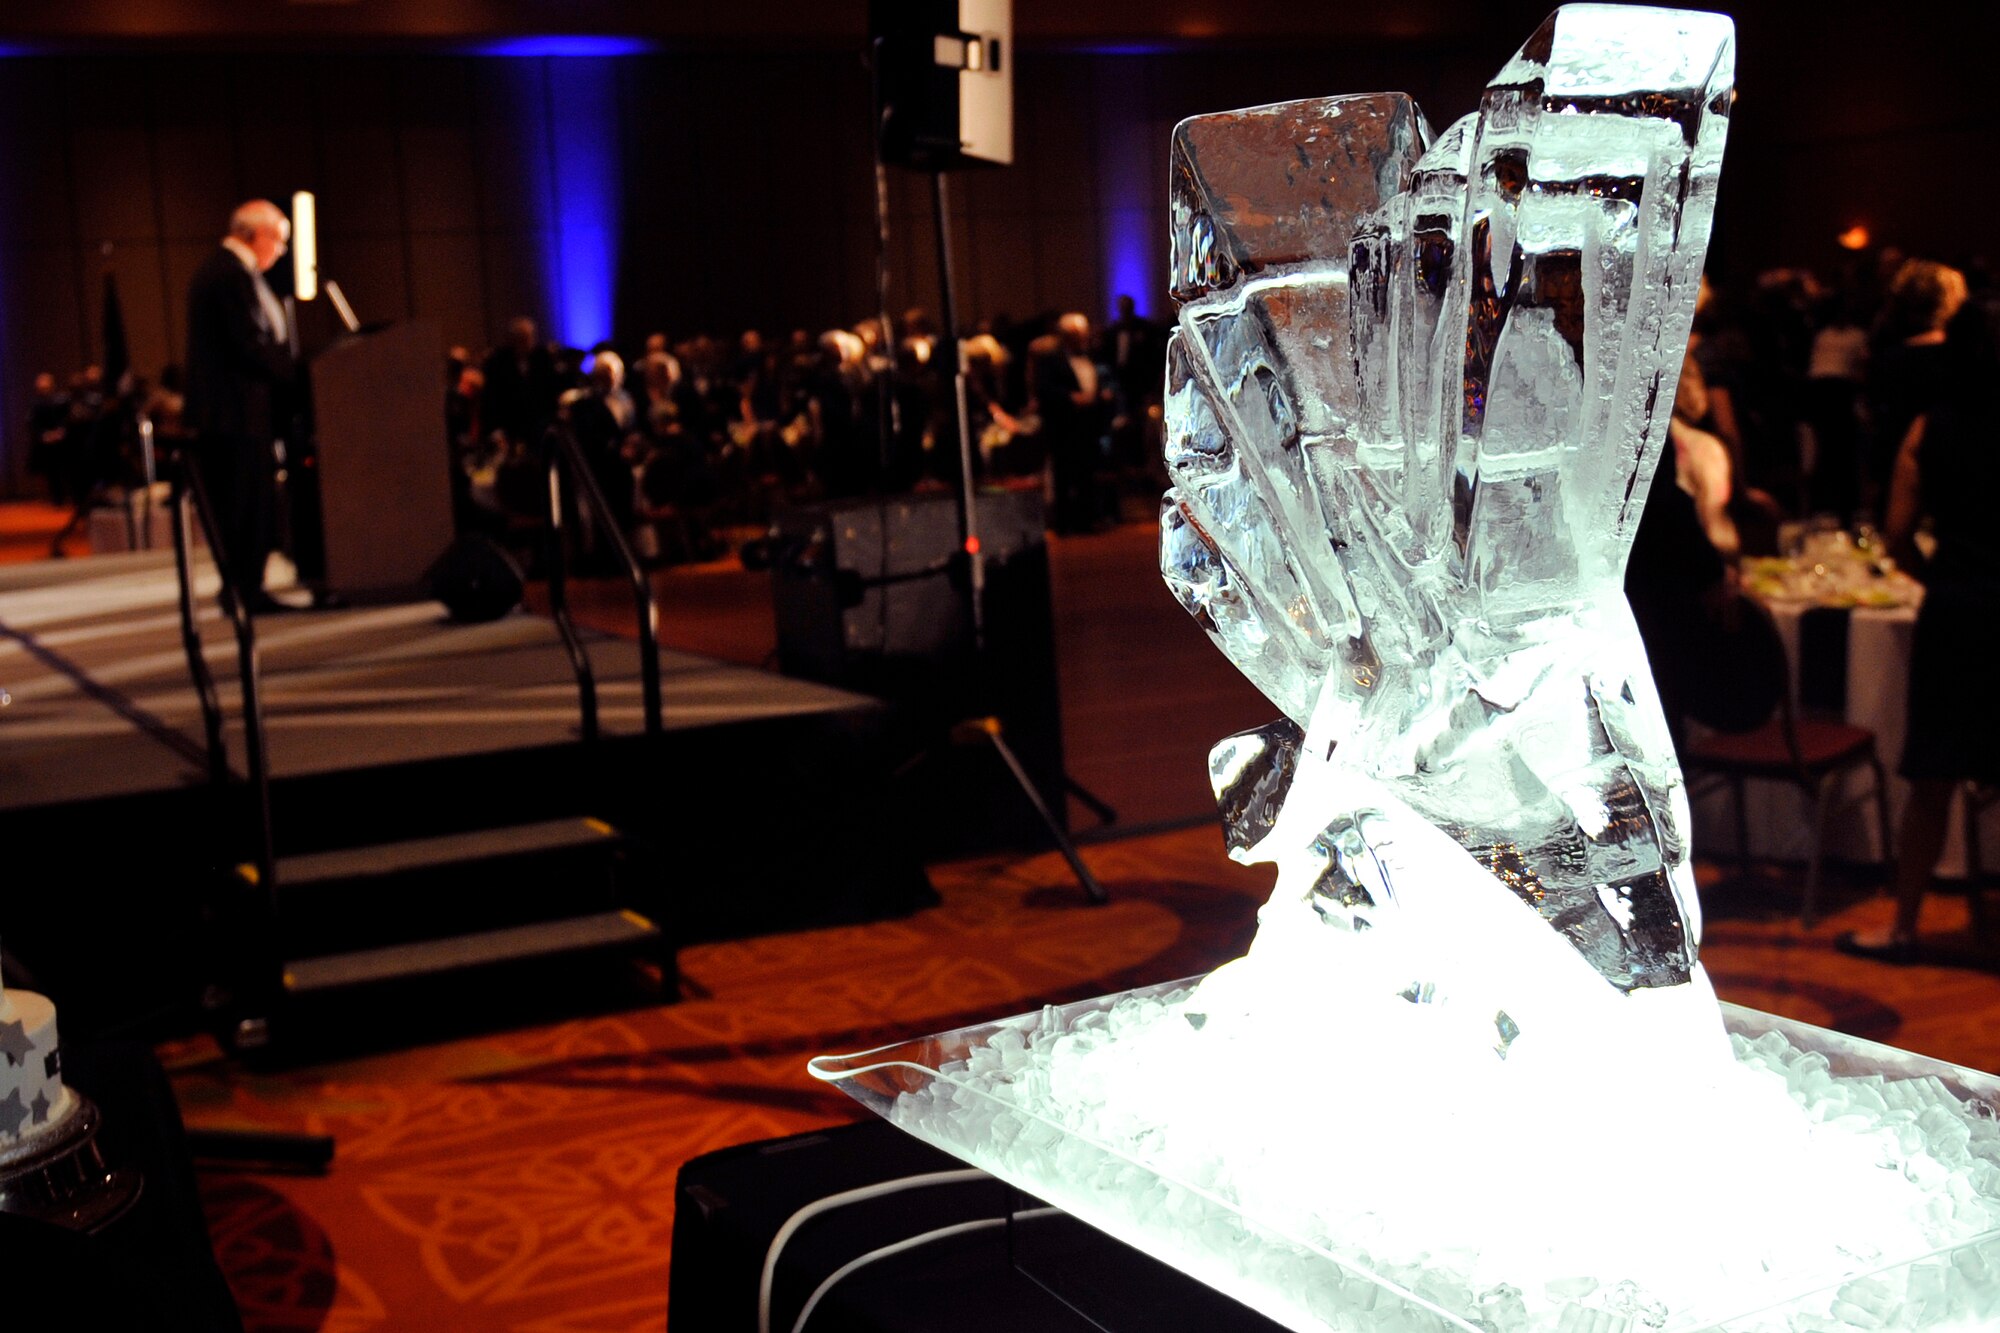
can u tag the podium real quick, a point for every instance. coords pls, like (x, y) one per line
(382, 469)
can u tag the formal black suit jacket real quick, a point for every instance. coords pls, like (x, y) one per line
(1064, 424)
(519, 400)
(238, 372)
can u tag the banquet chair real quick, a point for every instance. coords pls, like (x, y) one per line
(1812, 753)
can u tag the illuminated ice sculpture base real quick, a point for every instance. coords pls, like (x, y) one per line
(1822, 1183)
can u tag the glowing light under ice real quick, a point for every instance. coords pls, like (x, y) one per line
(1817, 1183)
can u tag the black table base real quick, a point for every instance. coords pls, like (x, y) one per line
(880, 1233)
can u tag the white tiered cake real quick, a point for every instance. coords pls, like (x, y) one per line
(52, 1168)
(33, 1099)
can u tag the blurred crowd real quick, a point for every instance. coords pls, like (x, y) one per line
(85, 439)
(1795, 400)
(1798, 392)
(693, 439)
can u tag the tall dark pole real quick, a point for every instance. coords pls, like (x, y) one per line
(968, 510)
(887, 421)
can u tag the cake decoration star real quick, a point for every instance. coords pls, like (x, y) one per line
(52, 1066)
(14, 1043)
(39, 1109)
(12, 1113)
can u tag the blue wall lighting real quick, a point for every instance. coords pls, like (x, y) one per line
(1132, 264)
(580, 260)
(561, 44)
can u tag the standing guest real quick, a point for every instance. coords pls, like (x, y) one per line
(463, 428)
(703, 403)
(1835, 371)
(78, 455)
(240, 376)
(1949, 470)
(993, 426)
(522, 384)
(1700, 399)
(659, 372)
(472, 457)
(48, 420)
(658, 413)
(1768, 381)
(1135, 352)
(1909, 362)
(917, 403)
(600, 415)
(840, 402)
(658, 351)
(166, 405)
(601, 412)
(1679, 585)
(1073, 406)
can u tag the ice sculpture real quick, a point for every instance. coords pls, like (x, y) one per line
(1416, 393)
(1471, 1074)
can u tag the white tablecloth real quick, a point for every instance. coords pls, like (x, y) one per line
(1780, 816)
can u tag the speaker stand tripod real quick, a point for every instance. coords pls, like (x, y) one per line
(987, 729)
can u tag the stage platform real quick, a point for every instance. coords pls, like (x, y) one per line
(387, 722)
(90, 652)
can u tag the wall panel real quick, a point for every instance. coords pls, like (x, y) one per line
(142, 296)
(278, 113)
(40, 282)
(182, 258)
(445, 276)
(440, 175)
(358, 177)
(371, 271)
(514, 279)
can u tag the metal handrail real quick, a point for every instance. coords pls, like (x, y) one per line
(564, 452)
(204, 680)
(191, 504)
(558, 560)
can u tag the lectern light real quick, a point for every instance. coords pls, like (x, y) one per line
(305, 246)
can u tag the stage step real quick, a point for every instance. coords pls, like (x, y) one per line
(431, 958)
(406, 892)
(457, 850)
(424, 910)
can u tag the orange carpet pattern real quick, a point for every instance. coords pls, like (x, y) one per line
(524, 1181)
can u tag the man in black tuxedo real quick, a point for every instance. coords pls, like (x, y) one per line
(1075, 409)
(522, 385)
(240, 379)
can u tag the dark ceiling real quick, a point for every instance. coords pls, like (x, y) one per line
(42, 24)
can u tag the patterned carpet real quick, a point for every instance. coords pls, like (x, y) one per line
(524, 1181)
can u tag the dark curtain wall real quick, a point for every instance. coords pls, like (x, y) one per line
(739, 188)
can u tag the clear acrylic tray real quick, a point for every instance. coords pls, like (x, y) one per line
(1307, 1287)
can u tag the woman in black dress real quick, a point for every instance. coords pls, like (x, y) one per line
(1948, 469)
